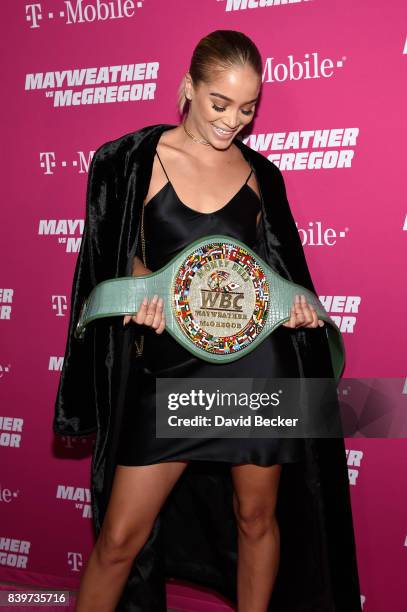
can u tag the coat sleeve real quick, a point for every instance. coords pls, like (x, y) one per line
(283, 241)
(74, 410)
(284, 252)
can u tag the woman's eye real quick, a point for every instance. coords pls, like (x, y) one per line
(220, 109)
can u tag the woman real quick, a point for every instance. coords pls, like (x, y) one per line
(202, 163)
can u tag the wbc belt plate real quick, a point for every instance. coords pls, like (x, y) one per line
(220, 300)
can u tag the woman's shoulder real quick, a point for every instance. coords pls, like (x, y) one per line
(127, 144)
(262, 165)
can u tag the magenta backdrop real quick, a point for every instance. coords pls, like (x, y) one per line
(332, 116)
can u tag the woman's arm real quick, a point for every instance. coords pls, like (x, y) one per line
(139, 269)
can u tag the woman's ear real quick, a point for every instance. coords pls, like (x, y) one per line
(188, 86)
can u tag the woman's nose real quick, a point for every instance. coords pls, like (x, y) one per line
(231, 121)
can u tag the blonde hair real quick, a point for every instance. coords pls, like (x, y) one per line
(218, 51)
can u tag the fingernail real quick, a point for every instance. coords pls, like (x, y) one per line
(145, 301)
(303, 297)
(297, 298)
(155, 298)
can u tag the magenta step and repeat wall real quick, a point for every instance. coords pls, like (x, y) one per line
(332, 117)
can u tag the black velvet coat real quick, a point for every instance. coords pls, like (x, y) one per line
(194, 537)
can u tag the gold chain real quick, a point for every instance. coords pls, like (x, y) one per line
(199, 140)
(140, 346)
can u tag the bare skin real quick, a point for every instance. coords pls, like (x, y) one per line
(137, 495)
(139, 492)
(254, 503)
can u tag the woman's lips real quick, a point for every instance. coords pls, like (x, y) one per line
(223, 135)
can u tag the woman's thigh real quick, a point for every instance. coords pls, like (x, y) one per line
(138, 493)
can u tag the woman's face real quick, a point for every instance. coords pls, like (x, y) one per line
(222, 108)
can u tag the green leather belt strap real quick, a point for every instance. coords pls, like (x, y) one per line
(220, 300)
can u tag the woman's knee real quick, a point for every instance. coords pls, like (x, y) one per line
(255, 520)
(118, 544)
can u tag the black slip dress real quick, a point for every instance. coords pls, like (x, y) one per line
(170, 226)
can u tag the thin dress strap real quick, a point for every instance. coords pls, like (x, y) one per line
(251, 172)
(162, 166)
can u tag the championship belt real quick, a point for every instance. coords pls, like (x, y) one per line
(221, 300)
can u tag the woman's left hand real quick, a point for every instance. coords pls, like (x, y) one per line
(303, 314)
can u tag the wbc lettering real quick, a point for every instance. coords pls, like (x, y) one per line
(221, 301)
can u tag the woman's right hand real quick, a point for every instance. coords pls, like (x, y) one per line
(150, 314)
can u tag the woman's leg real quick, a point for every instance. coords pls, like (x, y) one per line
(254, 503)
(137, 496)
